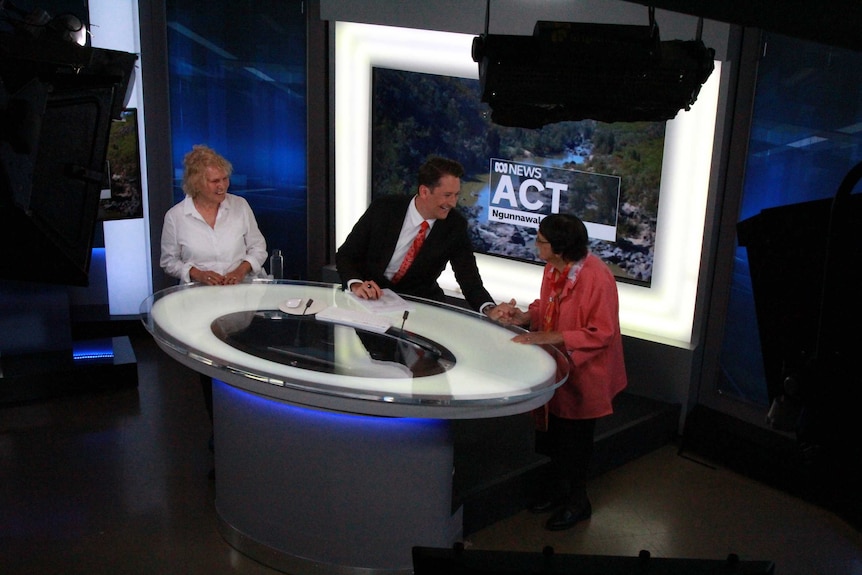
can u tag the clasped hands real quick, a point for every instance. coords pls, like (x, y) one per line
(508, 313)
(216, 279)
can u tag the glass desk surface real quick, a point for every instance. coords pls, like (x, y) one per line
(439, 361)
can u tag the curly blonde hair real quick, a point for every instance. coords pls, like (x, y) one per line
(195, 164)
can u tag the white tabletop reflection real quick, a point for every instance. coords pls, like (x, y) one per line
(438, 361)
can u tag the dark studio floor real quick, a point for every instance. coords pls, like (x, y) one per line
(116, 482)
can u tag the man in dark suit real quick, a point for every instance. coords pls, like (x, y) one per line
(371, 256)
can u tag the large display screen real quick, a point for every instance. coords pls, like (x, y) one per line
(609, 175)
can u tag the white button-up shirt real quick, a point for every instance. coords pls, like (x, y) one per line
(187, 240)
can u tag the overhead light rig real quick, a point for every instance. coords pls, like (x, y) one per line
(571, 71)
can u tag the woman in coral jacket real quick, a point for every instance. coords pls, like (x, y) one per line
(578, 311)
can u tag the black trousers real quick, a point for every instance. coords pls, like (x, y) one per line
(207, 389)
(569, 444)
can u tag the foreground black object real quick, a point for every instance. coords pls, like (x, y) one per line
(57, 100)
(458, 561)
(806, 280)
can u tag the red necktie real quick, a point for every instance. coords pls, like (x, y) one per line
(411, 253)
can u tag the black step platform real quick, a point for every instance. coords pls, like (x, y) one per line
(90, 366)
(495, 460)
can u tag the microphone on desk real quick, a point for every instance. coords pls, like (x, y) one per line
(419, 341)
(296, 339)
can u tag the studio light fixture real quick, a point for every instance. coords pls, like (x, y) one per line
(569, 71)
(37, 22)
(70, 28)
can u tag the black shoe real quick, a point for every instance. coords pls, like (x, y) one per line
(546, 504)
(568, 516)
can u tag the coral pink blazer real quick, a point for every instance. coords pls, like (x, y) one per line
(589, 321)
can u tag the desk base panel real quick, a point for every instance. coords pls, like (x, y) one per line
(308, 491)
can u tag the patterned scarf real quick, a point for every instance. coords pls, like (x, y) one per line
(552, 312)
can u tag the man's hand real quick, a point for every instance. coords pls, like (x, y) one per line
(367, 289)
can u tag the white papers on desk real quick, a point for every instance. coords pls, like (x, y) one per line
(388, 301)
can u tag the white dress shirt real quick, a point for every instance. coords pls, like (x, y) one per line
(187, 240)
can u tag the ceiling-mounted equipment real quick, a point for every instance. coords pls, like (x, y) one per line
(574, 71)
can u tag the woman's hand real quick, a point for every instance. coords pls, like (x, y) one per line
(539, 338)
(237, 275)
(206, 277)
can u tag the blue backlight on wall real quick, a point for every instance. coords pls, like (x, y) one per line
(241, 89)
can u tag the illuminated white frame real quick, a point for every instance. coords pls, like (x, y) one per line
(662, 312)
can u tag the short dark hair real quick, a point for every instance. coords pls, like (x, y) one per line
(567, 235)
(435, 168)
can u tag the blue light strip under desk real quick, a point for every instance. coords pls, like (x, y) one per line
(93, 350)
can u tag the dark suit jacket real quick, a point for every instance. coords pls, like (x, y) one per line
(369, 246)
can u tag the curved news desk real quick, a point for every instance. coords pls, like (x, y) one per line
(334, 449)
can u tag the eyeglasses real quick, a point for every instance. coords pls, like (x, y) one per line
(541, 241)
